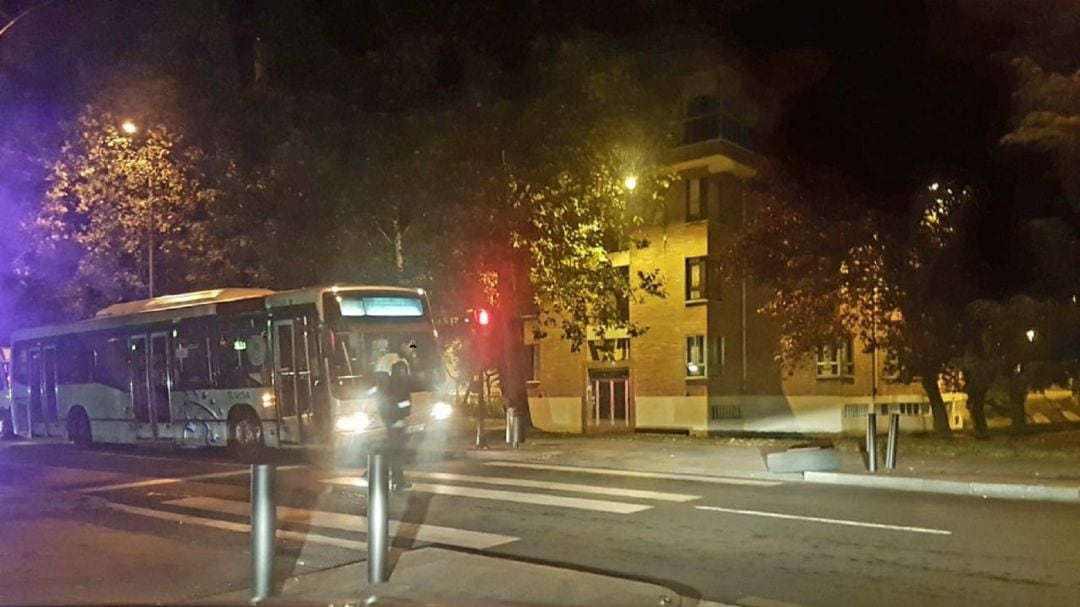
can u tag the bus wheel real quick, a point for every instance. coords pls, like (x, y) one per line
(245, 435)
(7, 430)
(79, 428)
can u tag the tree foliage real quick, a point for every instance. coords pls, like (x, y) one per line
(835, 268)
(598, 120)
(112, 196)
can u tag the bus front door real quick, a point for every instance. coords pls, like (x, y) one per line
(292, 383)
(139, 359)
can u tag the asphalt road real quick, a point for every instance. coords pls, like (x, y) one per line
(727, 540)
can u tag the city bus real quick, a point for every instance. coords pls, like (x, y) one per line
(244, 368)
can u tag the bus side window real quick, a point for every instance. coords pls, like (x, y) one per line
(75, 361)
(111, 363)
(20, 371)
(191, 363)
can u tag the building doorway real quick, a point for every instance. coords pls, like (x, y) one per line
(610, 403)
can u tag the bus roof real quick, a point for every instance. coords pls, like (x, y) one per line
(314, 294)
(182, 300)
(191, 305)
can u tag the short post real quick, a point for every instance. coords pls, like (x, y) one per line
(515, 428)
(263, 531)
(509, 425)
(871, 441)
(481, 440)
(890, 447)
(378, 505)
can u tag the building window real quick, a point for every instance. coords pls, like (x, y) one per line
(855, 410)
(696, 356)
(609, 349)
(695, 278)
(717, 356)
(703, 198)
(697, 195)
(534, 358)
(725, 412)
(702, 279)
(836, 361)
(914, 408)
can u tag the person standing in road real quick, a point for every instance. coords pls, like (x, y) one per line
(392, 371)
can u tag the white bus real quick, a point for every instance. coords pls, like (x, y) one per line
(244, 368)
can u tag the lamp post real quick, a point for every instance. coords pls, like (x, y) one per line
(131, 128)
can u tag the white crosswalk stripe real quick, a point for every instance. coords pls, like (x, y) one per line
(571, 487)
(187, 519)
(450, 536)
(699, 478)
(540, 499)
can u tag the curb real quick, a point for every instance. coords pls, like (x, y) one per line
(969, 488)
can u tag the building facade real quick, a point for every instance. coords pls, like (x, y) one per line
(707, 361)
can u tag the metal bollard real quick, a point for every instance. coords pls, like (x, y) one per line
(871, 441)
(890, 447)
(509, 425)
(263, 531)
(378, 505)
(515, 429)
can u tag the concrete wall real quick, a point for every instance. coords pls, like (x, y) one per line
(672, 412)
(556, 414)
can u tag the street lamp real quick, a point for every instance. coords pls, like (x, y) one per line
(630, 182)
(131, 128)
(1030, 333)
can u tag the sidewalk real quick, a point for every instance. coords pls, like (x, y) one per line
(453, 577)
(977, 475)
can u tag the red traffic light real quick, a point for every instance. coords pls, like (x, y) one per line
(483, 317)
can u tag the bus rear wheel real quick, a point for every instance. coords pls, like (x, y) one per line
(246, 435)
(78, 424)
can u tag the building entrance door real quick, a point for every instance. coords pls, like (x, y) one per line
(610, 401)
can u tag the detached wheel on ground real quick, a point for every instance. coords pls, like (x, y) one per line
(78, 425)
(246, 435)
(7, 430)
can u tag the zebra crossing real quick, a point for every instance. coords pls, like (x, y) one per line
(345, 530)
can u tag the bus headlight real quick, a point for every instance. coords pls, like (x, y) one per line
(353, 423)
(441, 410)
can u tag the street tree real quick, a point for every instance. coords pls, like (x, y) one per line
(112, 196)
(836, 268)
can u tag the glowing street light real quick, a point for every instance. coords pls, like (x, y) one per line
(630, 182)
(129, 127)
(1030, 333)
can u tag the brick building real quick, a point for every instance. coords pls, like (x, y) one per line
(707, 362)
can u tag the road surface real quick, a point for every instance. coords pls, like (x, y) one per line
(151, 524)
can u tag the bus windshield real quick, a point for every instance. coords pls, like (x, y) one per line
(361, 352)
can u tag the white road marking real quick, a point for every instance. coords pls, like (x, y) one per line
(187, 519)
(541, 499)
(163, 458)
(154, 482)
(831, 521)
(517, 482)
(699, 478)
(450, 536)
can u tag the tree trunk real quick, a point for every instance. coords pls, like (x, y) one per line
(976, 406)
(937, 404)
(512, 373)
(1018, 391)
(399, 247)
